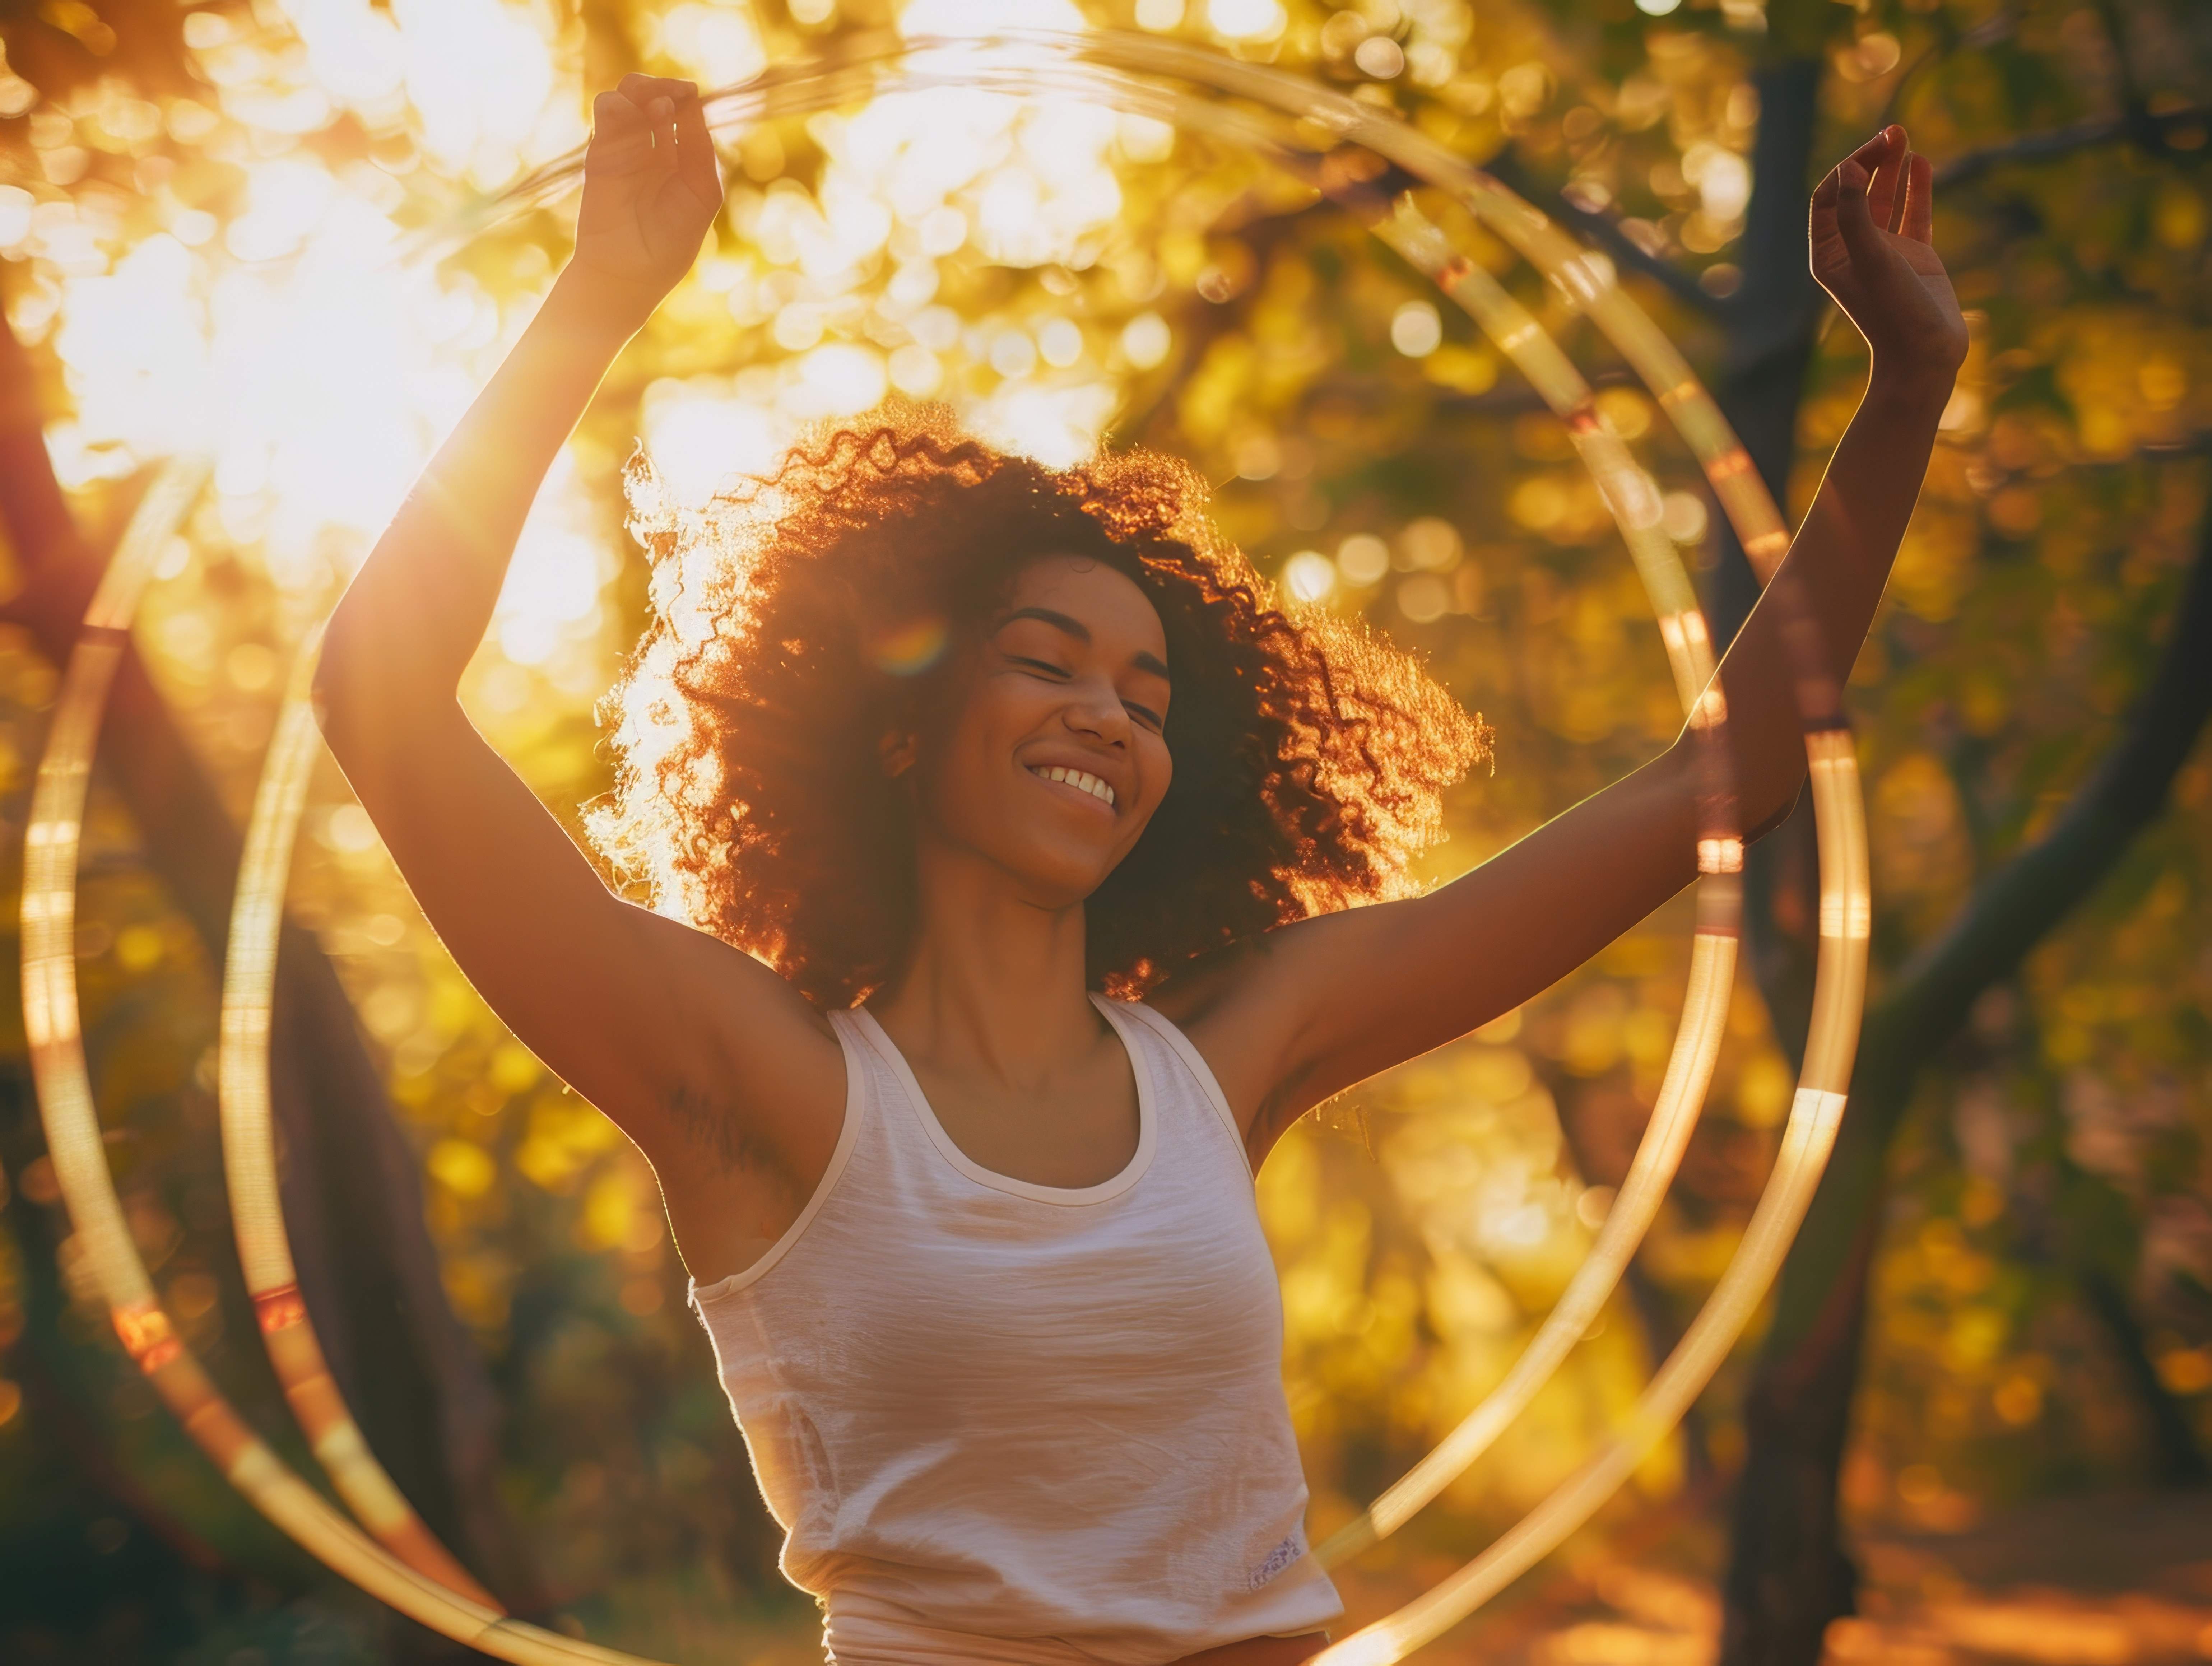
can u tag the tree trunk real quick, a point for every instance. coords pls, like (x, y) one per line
(1787, 1577)
(352, 1186)
(2177, 1459)
(1773, 323)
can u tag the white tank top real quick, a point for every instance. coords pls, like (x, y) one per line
(1030, 1425)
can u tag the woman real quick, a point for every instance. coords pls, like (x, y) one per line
(980, 745)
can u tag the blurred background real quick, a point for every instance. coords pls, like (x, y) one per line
(1975, 1423)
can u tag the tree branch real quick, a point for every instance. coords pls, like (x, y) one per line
(2010, 912)
(2151, 132)
(1987, 32)
(2012, 909)
(1607, 231)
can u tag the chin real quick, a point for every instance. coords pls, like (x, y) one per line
(1052, 866)
(1051, 870)
(1064, 884)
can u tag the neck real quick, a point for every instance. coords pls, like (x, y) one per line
(994, 982)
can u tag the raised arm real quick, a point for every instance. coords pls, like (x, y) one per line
(1327, 1002)
(695, 1049)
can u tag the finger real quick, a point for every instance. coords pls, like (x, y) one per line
(1854, 217)
(1822, 218)
(641, 90)
(613, 113)
(622, 137)
(1886, 192)
(1920, 200)
(694, 150)
(654, 132)
(1870, 151)
(1831, 260)
(655, 97)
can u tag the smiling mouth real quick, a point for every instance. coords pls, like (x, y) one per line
(1081, 781)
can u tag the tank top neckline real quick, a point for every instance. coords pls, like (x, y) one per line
(918, 1103)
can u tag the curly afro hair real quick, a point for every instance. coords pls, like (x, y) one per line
(802, 617)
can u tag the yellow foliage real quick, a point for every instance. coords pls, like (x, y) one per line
(1462, 369)
(1288, 1189)
(463, 1168)
(1975, 1335)
(1934, 564)
(565, 1135)
(1215, 392)
(1763, 1089)
(514, 1067)
(138, 948)
(609, 1217)
(2177, 220)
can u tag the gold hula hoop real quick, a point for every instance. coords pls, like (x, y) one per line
(1102, 68)
(249, 1156)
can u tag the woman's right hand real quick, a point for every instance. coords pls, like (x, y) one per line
(651, 192)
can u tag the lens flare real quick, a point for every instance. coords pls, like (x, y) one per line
(909, 647)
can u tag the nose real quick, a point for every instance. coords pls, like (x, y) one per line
(1095, 708)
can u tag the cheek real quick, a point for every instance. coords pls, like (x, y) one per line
(969, 761)
(1156, 767)
(964, 781)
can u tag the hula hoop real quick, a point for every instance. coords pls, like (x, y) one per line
(80, 1157)
(249, 1156)
(1102, 68)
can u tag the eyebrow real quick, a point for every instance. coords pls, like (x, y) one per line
(1073, 627)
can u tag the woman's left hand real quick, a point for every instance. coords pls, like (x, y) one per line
(1871, 222)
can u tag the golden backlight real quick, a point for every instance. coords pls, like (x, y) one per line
(306, 403)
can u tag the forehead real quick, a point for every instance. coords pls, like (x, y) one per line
(1105, 600)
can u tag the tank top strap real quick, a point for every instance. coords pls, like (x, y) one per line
(1194, 1068)
(886, 1092)
(905, 1123)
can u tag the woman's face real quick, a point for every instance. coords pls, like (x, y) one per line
(1055, 758)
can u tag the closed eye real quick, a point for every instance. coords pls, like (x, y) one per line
(1145, 715)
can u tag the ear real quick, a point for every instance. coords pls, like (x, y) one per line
(896, 752)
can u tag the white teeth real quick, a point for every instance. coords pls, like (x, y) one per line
(1081, 780)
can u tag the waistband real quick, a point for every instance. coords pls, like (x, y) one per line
(851, 1639)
